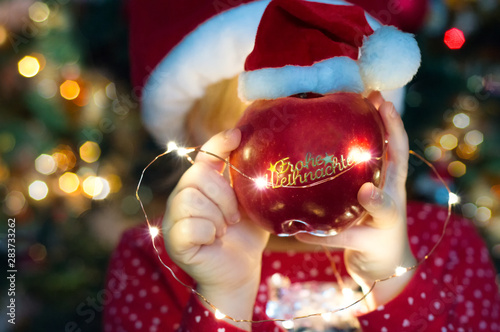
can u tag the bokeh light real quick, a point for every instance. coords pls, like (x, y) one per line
(454, 38)
(433, 153)
(69, 182)
(28, 66)
(3, 35)
(14, 202)
(96, 187)
(39, 12)
(38, 190)
(483, 214)
(90, 152)
(448, 141)
(45, 164)
(474, 137)
(47, 88)
(69, 89)
(461, 120)
(37, 252)
(456, 168)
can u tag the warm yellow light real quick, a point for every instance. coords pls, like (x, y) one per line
(3, 35)
(461, 120)
(218, 314)
(92, 186)
(39, 11)
(28, 66)
(327, 316)
(38, 190)
(448, 141)
(433, 153)
(474, 137)
(457, 168)
(106, 189)
(69, 90)
(154, 231)
(90, 152)
(69, 182)
(45, 164)
(358, 156)
(115, 182)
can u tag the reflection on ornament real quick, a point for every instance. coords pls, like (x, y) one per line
(454, 38)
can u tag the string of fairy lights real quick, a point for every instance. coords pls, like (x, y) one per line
(287, 323)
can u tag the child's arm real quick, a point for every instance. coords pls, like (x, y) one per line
(378, 245)
(205, 237)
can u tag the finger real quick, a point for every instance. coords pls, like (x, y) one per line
(214, 186)
(187, 235)
(376, 98)
(191, 203)
(379, 205)
(398, 143)
(221, 145)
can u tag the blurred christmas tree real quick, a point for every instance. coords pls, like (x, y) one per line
(72, 146)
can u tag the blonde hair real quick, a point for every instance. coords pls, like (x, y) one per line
(219, 109)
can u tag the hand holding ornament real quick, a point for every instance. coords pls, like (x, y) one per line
(204, 235)
(377, 245)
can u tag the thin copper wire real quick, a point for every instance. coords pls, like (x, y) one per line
(214, 308)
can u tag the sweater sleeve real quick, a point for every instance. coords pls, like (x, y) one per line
(453, 290)
(142, 295)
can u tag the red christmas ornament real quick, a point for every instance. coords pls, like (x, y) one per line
(303, 159)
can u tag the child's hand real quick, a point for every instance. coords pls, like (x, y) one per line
(379, 244)
(205, 237)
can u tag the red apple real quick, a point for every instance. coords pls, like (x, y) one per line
(302, 160)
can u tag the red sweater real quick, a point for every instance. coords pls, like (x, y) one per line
(454, 290)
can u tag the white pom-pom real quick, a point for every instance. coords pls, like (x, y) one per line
(389, 59)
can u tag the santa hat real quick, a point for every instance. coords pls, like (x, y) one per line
(179, 48)
(315, 47)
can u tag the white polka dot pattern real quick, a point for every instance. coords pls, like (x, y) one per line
(454, 290)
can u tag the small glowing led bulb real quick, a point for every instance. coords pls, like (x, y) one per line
(400, 271)
(219, 315)
(261, 183)
(453, 198)
(171, 146)
(154, 231)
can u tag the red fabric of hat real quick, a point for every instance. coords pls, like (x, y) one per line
(301, 33)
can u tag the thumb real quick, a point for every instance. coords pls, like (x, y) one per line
(379, 205)
(220, 145)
